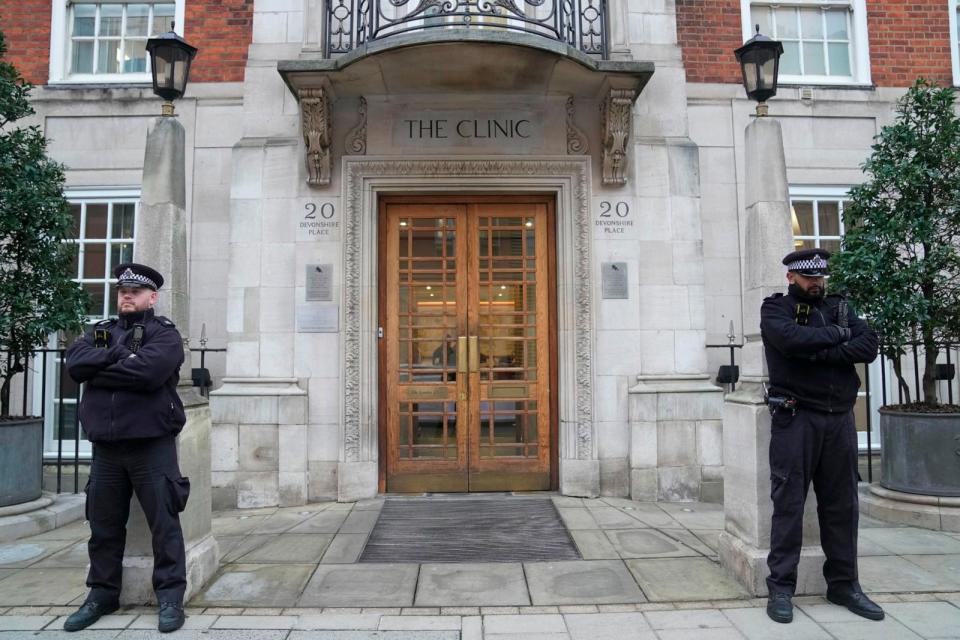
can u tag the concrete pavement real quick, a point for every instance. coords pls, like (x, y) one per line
(649, 571)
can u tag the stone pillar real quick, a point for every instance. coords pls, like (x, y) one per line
(745, 541)
(161, 242)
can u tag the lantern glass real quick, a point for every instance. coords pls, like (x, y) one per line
(759, 61)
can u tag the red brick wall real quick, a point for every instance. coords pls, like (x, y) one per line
(26, 28)
(221, 29)
(907, 39)
(709, 31)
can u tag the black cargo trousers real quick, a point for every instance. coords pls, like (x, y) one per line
(820, 447)
(147, 467)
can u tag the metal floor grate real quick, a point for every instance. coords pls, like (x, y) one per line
(453, 529)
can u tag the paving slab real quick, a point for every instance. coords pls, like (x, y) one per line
(374, 635)
(327, 521)
(360, 521)
(577, 518)
(244, 546)
(647, 543)
(896, 574)
(235, 525)
(913, 541)
(567, 502)
(361, 585)
(928, 619)
(593, 544)
(254, 622)
(610, 626)
(193, 621)
(754, 624)
(338, 621)
(613, 518)
(472, 584)
(283, 521)
(886, 629)
(73, 531)
(75, 556)
(867, 547)
(7, 572)
(580, 582)
(25, 552)
(370, 504)
(721, 633)
(695, 515)
(423, 623)
(290, 548)
(687, 619)
(113, 621)
(540, 623)
(34, 587)
(24, 623)
(345, 548)
(709, 537)
(652, 515)
(255, 585)
(828, 613)
(60, 634)
(679, 579)
(946, 567)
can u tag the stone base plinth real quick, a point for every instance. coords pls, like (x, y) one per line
(580, 478)
(203, 560)
(748, 564)
(927, 512)
(357, 481)
(49, 512)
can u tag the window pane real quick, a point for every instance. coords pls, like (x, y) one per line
(84, 19)
(811, 23)
(833, 246)
(75, 212)
(123, 220)
(138, 17)
(135, 56)
(96, 222)
(162, 17)
(813, 60)
(786, 18)
(790, 60)
(94, 260)
(804, 211)
(120, 253)
(761, 16)
(95, 289)
(82, 61)
(829, 215)
(839, 58)
(837, 24)
(111, 17)
(108, 56)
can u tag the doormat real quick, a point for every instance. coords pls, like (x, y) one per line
(454, 529)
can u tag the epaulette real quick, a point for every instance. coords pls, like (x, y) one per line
(105, 321)
(167, 322)
(775, 296)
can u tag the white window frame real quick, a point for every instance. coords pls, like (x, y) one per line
(859, 38)
(60, 49)
(93, 195)
(954, 41)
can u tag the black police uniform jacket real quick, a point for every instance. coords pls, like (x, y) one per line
(807, 357)
(129, 395)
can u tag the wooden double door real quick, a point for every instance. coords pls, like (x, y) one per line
(467, 347)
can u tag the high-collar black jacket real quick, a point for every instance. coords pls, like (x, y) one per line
(129, 395)
(807, 357)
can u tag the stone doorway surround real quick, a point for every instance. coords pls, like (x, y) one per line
(365, 178)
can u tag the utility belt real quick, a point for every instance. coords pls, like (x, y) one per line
(782, 403)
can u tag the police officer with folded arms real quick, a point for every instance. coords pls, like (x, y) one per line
(812, 342)
(131, 412)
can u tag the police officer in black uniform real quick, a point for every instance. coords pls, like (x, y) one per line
(812, 342)
(131, 412)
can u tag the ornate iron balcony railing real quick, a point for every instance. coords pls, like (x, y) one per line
(581, 24)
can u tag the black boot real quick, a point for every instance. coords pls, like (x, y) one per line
(87, 614)
(171, 617)
(856, 601)
(779, 607)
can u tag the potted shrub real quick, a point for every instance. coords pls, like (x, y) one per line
(37, 296)
(900, 265)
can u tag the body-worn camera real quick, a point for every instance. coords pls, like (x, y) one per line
(101, 338)
(778, 403)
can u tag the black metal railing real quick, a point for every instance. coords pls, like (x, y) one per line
(582, 24)
(61, 395)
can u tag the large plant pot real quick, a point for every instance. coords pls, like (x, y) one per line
(21, 460)
(921, 452)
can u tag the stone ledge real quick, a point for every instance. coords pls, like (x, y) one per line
(926, 512)
(49, 512)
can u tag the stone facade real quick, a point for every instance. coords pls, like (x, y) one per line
(295, 412)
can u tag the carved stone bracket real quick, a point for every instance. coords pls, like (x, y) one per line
(357, 138)
(616, 120)
(576, 140)
(315, 119)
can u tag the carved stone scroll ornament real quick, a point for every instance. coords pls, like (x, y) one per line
(576, 141)
(357, 138)
(315, 120)
(616, 114)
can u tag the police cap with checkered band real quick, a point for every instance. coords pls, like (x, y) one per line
(131, 274)
(808, 262)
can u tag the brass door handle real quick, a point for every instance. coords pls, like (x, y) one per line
(474, 354)
(462, 354)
